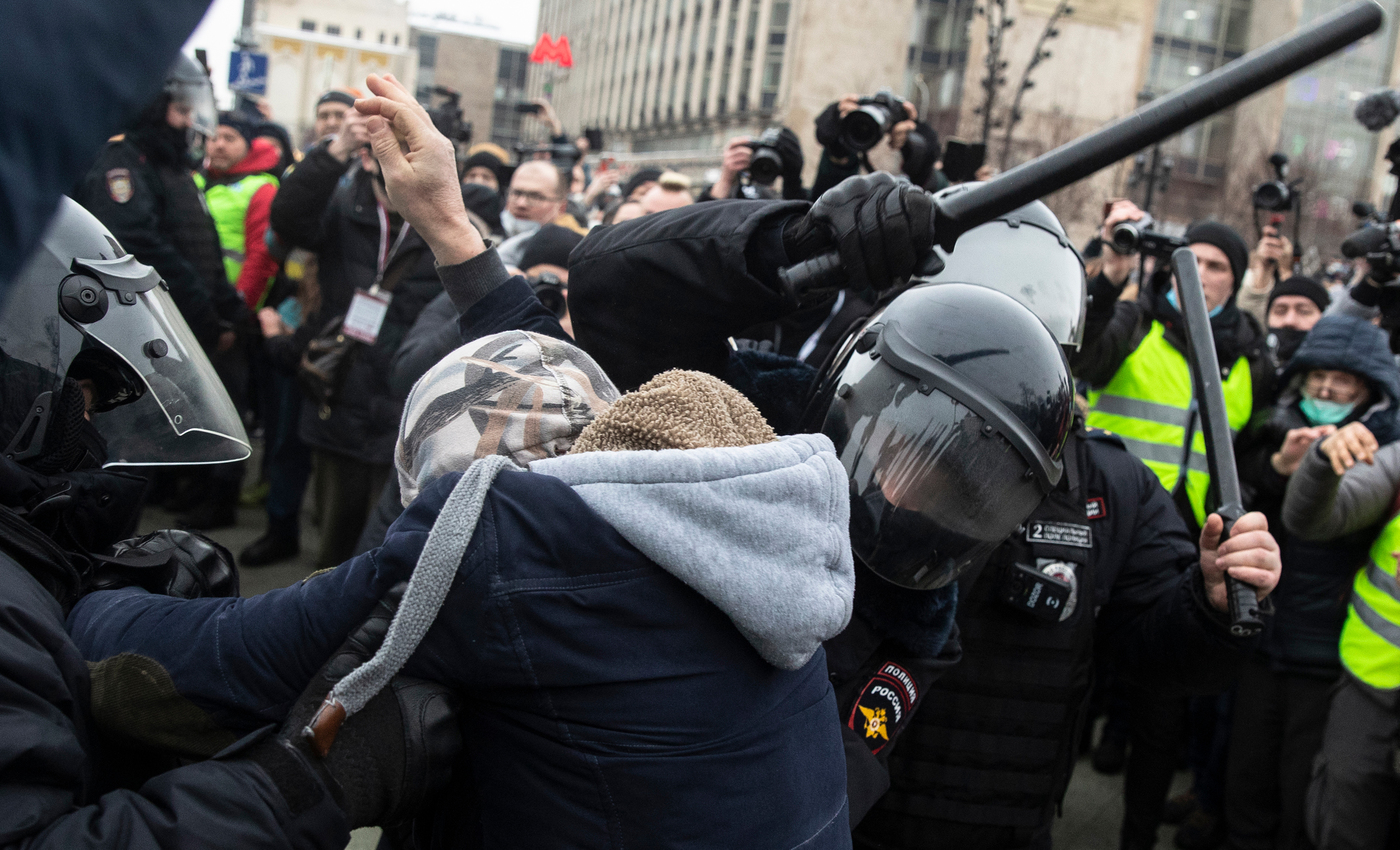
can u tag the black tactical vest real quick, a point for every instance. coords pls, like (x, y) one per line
(989, 752)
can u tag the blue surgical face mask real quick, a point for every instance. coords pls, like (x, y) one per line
(1323, 412)
(1171, 299)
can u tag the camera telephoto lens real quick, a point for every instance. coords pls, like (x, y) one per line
(765, 166)
(862, 129)
(1273, 196)
(1125, 237)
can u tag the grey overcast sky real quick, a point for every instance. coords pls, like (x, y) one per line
(513, 20)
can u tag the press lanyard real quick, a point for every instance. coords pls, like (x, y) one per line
(386, 251)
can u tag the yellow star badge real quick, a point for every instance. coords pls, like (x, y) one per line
(874, 722)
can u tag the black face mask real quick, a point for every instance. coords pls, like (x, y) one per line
(1284, 343)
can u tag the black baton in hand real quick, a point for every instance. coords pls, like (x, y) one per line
(1215, 426)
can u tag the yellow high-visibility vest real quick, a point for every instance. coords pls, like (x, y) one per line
(1149, 405)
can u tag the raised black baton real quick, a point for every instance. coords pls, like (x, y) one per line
(1215, 427)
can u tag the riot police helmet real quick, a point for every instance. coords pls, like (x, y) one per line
(949, 409)
(189, 91)
(1026, 254)
(87, 329)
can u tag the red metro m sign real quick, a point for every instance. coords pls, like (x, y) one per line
(547, 50)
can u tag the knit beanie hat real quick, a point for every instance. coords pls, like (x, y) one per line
(240, 123)
(645, 175)
(677, 410)
(551, 244)
(1224, 237)
(345, 96)
(1304, 286)
(522, 395)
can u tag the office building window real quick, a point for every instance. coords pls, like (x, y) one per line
(359, 33)
(332, 29)
(396, 39)
(1191, 38)
(773, 59)
(309, 26)
(510, 90)
(427, 50)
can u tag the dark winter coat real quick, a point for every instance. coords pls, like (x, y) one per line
(60, 773)
(1310, 602)
(320, 208)
(609, 703)
(144, 192)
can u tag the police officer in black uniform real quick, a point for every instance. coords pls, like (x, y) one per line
(99, 372)
(142, 188)
(988, 756)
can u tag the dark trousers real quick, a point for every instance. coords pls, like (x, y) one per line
(1158, 724)
(1207, 743)
(288, 458)
(1277, 733)
(350, 488)
(1355, 794)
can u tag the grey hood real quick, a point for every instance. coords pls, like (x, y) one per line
(760, 531)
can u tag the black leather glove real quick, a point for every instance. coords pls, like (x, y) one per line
(382, 763)
(828, 126)
(170, 562)
(881, 226)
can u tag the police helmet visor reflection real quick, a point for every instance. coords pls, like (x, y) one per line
(184, 416)
(196, 96)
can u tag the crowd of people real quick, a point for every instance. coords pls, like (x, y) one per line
(680, 553)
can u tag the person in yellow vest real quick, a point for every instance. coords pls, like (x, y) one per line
(1346, 484)
(1133, 358)
(239, 184)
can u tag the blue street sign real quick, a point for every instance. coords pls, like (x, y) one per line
(247, 72)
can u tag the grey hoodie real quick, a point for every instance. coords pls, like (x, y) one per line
(760, 531)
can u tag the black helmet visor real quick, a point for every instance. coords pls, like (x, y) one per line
(940, 474)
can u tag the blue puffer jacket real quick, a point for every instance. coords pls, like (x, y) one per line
(1310, 601)
(609, 625)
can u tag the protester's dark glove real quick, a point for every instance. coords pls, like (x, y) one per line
(169, 562)
(828, 127)
(881, 226)
(383, 762)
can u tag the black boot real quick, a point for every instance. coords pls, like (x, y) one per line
(272, 547)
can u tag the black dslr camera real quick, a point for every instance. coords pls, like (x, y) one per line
(1277, 195)
(565, 156)
(1380, 246)
(873, 117)
(767, 163)
(447, 115)
(549, 289)
(1132, 237)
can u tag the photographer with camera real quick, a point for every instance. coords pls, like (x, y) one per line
(1270, 263)
(851, 130)
(751, 166)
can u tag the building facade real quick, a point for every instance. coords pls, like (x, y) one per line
(670, 81)
(314, 46)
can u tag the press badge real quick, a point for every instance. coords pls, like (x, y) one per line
(366, 316)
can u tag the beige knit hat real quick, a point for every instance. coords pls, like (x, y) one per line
(677, 410)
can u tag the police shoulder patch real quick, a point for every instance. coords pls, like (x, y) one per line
(882, 706)
(119, 185)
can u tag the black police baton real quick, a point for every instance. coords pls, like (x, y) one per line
(958, 213)
(1215, 426)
